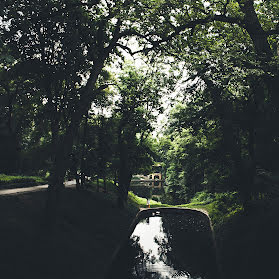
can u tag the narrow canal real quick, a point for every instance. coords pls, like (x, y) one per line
(167, 243)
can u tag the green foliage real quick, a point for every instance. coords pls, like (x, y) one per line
(169, 198)
(146, 192)
(193, 153)
(139, 92)
(142, 202)
(54, 45)
(216, 140)
(225, 206)
(158, 191)
(156, 198)
(17, 181)
(109, 183)
(142, 191)
(203, 197)
(221, 208)
(95, 152)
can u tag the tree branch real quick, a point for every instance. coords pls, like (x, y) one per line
(115, 37)
(127, 49)
(180, 29)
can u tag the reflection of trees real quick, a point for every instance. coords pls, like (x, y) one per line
(132, 262)
(188, 246)
(140, 260)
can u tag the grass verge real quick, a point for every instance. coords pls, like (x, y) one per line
(19, 181)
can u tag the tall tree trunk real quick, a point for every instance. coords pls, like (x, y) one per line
(82, 179)
(125, 167)
(244, 170)
(251, 173)
(105, 184)
(125, 177)
(78, 186)
(61, 149)
(83, 151)
(54, 195)
(255, 30)
(62, 146)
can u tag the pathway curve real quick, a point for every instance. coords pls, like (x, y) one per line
(70, 184)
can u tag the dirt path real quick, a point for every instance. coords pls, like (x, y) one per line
(69, 184)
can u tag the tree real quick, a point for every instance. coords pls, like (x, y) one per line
(42, 52)
(18, 113)
(139, 98)
(65, 45)
(194, 153)
(231, 54)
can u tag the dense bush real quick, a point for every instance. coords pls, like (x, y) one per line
(142, 191)
(203, 197)
(110, 186)
(168, 198)
(157, 191)
(224, 206)
(156, 198)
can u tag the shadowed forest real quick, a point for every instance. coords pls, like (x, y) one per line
(98, 91)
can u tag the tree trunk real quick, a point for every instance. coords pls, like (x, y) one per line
(83, 152)
(61, 149)
(125, 167)
(78, 186)
(82, 179)
(54, 196)
(255, 30)
(123, 187)
(62, 146)
(98, 184)
(105, 184)
(122, 196)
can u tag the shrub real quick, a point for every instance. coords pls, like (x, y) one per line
(225, 206)
(156, 198)
(109, 184)
(158, 191)
(168, 198)
(203, 197)
(142, 191)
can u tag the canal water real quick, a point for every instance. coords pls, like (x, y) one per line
(165, 244)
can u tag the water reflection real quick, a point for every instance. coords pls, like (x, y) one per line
(166, 245)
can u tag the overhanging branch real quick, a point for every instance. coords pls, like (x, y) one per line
(178, 30)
